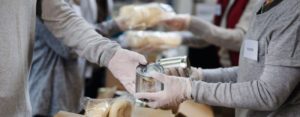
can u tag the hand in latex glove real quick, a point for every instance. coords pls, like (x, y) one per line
(176, 90)
(123, 66)
(121, 22)
(177, 22)
(178, 71)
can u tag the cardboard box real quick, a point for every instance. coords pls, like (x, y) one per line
(137, 112)
(67, 114)
(188, 109)
(149, 112)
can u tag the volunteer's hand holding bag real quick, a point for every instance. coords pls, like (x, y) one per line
(177, 22)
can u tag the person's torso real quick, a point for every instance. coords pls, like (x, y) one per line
(231, 13)
(16, 41)
(261, 28)
(54, 82)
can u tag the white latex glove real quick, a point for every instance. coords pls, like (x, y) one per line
(178, 71)
(121, 22)
(177, 22)
(176, 90)
(123, 66)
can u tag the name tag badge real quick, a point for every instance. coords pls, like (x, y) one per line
(218, 9)
(251, 49)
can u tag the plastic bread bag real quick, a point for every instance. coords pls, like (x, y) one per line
(118, 107)
(96, 107)
(165, 40)
(145, 15)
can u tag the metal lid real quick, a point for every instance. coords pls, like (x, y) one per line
(145, 70)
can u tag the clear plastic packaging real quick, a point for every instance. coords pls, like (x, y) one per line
(118, 107)
(145, 15)
(138, 39)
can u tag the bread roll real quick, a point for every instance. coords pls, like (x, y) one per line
(138, 39)
(120, 108)
(142, 16)
(98, 110)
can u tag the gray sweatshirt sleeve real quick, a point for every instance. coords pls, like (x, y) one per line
(220, 75)
(227, 38)
(267, 93)
(76, 33)
(107, 29)
(191, 40)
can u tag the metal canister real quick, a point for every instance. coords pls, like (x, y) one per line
(144, 81)
(181, 61)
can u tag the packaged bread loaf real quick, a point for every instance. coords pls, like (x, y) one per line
(145, 15)
(138, 39)
(97, 109)
(119, 107)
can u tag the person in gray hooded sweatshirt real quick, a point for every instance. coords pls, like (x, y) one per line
(56, 80)
(266, 82)
(17, 31)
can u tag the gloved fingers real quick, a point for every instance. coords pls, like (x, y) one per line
(130, 87)
(154, 104)
(173, 26)
(148, 96)
(168, 71)
(167, 19)
(174, 72)
(122, 19)
(194, 69)
(197, 74)
(159, 76)
(121, 22)
(181, 72)
(169, 22)
(179, 25)
(140, 58)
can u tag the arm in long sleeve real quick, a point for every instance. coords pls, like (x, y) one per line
(268, 93)
(220, 75)
(192, 40)
(76, 33)
(227, 38)
(108, 28)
